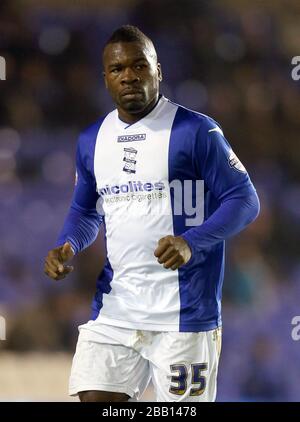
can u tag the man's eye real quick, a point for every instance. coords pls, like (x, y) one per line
(116, 70)
(140, 66)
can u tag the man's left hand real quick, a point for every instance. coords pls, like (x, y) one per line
(172, 252)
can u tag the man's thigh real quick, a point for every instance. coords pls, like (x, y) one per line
(99, 366)
(102, 396)
(184, 365)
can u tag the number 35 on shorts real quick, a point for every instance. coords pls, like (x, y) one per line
(180, 379)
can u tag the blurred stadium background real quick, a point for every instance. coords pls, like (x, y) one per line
(229, 59)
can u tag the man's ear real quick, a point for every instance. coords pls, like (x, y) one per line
(160, 78)
(103, 74)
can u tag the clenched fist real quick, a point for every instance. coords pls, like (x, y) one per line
(55, 260)
(172, 252)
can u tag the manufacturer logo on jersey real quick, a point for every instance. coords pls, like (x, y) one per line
(235, 163)
(130, 160)
(132, 138)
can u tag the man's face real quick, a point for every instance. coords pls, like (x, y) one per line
(131, 75)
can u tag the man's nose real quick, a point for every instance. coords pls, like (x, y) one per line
(129, 76)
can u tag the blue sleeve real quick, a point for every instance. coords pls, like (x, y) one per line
(227, 179)
(82, 223)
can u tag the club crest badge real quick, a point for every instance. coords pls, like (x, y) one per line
(129, 160)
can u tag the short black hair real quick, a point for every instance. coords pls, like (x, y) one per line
(130, 33)
(127, 33)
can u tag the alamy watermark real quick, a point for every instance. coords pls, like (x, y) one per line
(296, 329)
(2, 328)
(296, 70)
(2, 69)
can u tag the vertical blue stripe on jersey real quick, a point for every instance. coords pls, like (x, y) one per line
(105, 277)
(199, 284)
(103, 284)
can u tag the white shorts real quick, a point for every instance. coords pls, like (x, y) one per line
(183, 366)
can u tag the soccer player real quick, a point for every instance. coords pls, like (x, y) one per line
(157, 309)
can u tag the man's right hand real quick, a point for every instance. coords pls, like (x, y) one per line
(55, 260)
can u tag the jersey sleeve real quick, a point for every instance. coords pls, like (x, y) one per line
(82, 223)
(217, 164)
(227, 179)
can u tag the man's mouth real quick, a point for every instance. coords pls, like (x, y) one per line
(132, 93)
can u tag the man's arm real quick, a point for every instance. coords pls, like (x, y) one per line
(82, 223)
(234, 214)
(229, 182)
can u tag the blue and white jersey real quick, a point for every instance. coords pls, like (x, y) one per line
(126, 173)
